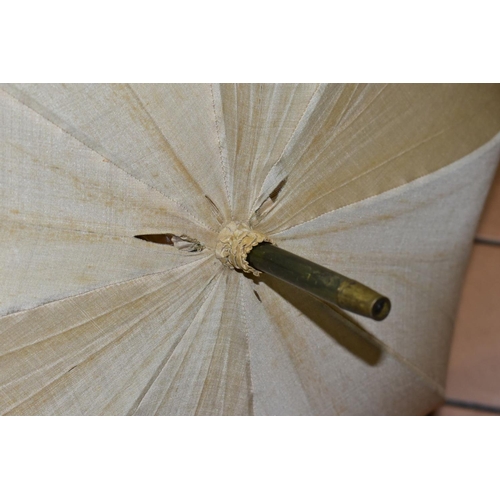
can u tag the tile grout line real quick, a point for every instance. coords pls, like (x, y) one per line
(472, 406)
(478, 240)
(485, 241)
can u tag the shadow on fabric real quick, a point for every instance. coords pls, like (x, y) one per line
(332, 320)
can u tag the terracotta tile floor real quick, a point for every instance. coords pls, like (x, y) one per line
(474, 368)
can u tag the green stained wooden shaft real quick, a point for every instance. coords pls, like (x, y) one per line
(319, 281)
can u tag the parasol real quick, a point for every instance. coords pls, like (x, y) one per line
(382, 183)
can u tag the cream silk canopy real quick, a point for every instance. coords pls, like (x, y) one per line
(382, 183)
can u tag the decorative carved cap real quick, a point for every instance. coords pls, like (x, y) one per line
(235, 242)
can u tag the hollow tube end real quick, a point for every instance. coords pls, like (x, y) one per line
(381, 309)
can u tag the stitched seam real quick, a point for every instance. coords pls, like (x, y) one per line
(252, 173)
(349, 124)
(435, 386)
(102, 288)
(212, 358)
(340, 128)
(247, 341)
(87, 320)
(223, 167)
(19, 223)
(166, 142)
(129, 330)
(288, 142)
(298, 122)
(137, 403)
(255, 175)
(370, 197)
(110, 161)
(184, 359)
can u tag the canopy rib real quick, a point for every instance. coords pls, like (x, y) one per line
(247, 334)
(349, 124)
(182, 207)
(198, 405)
(68, 230)
(91, 355)
(226, 380)
(288, 353)
(199, 314)
(132, 410)
(350, 181)
(87, 349)
(93, 318)
(306, 113)
(471, 155)
(381, 182)
(432, 384)
(168, 145)
(223, 163)
(198, 260)
(344, 111)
